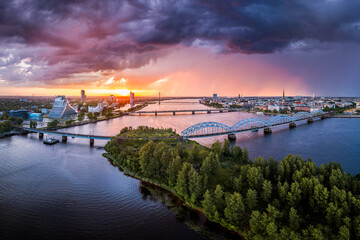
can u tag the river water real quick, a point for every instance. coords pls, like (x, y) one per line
(69, 191)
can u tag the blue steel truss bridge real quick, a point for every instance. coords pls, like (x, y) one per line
(209, 129)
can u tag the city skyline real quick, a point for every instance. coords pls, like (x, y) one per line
(182, 48)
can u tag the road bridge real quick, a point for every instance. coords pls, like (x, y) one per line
(209, 129)
(193, 111)
(65, 135)
(91, 137)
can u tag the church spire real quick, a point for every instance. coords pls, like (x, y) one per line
(283, 98)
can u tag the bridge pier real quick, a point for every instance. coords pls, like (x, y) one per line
(91, 142)
(41, 135)
(193, 112)
(292, 125)
(64, 139)
(208, 112)
(267, 130)
(173, 112)
(310, 120)
(155, 113)
(232, 136)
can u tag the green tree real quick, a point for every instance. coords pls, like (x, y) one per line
(344, 233)
(255, 222)
(294, 219)
(81, 117)
(225, 150)
(216, 148)
(19, 121)
(209, 205)
(195, 186)
(182, 182)
(219, 200)
(251, 199)
(173, 170)
(235, 210)
(320, 196)
(194, 154)
(245, 156)
(90, 115)
(33, 124)
(255, 178)
(266, 191)
(145, 156)
(211, 165)
(294, 196)
(109, 114)
(53, 124)
(271, 230)
(236, 154)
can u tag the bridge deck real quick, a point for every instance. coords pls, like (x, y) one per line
(193, 110)
(75, 135)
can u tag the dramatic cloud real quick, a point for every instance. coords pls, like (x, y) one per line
(51, 42)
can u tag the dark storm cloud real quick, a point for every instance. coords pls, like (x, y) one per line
(75, 36)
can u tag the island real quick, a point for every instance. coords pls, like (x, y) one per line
(259, 199)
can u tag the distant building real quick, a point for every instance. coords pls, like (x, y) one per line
(305, 108)
(274, 107)
(263, 107)
(35, 116)
(44, 110)
(313, 109)
(215, 97)
(83, 96)
(19, 113)
(97, 108)
(112, 98)
(61, 108)
(132, 99)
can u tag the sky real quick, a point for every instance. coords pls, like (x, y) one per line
(180, 48)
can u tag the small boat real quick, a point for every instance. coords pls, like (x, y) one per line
(50, 141)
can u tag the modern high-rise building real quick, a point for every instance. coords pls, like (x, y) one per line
(215, 96)
(132, 99)
(83, 96)
(61, 108)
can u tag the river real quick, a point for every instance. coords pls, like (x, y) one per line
(69, 191)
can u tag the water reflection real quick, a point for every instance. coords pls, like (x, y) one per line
(192, 218)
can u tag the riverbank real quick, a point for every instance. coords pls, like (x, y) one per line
(84, 122)
(166, 188)
(9, 134)
(344, 116)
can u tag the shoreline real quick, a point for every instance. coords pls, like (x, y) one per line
(131, 174)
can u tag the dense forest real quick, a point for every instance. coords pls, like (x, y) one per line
(6, 123)
(288, 199)
(14, 104)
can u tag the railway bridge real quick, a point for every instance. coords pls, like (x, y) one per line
(209, 129)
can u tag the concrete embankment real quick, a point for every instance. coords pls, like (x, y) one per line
(344, 116)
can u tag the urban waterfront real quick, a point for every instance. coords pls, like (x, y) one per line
(71, 191)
